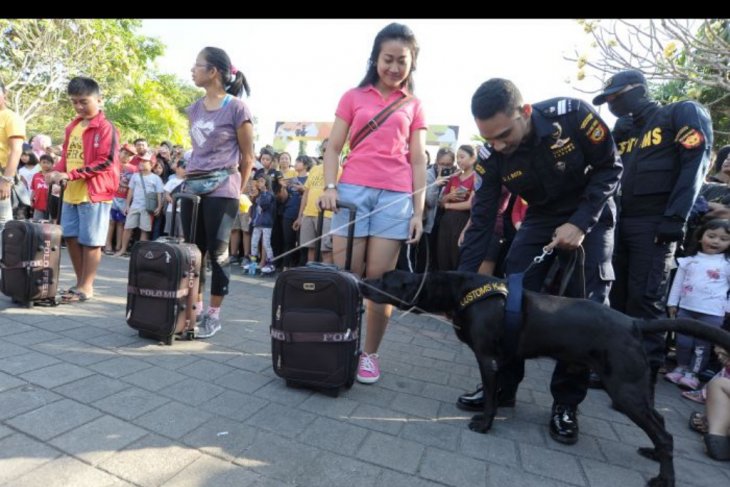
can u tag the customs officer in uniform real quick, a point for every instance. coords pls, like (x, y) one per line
(665, 152)
(559, 156)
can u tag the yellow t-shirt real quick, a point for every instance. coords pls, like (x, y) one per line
(290, 173)
(76, 191)
(315, 185)
(11, 125)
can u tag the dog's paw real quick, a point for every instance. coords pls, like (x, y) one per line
(480, 424)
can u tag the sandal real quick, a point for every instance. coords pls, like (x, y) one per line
(74, 296)
(698, 423)
(697, 396)
(70, 290)
(718, 447)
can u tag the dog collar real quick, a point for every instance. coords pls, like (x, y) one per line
(482, 292)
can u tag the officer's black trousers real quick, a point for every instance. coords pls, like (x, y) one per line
(642, 277)
(570, 380)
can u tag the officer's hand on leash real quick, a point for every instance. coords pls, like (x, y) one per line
(567, 237)
(669, 231)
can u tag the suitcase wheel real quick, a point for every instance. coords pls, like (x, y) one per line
(331, 391)
(168, 340)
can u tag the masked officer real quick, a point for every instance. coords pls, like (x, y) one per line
(666, 153)
(559, 156)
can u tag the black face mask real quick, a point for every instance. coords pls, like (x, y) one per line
(629, 102)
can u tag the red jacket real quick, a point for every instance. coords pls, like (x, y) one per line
(101, 163)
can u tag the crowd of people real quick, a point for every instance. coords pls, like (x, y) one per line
(551, 175)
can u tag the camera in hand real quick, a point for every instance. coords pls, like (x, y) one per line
(447, 171)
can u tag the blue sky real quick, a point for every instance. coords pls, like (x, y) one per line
(298, 69)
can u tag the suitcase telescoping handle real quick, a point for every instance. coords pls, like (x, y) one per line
(195, 201)
(350, 233)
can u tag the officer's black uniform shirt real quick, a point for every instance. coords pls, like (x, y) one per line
(568, 166)
(665, 155)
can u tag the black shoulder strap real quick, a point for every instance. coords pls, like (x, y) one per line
(378, 120)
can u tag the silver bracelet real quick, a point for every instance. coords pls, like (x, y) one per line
(8, 179)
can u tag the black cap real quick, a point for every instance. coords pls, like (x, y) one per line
(618, 82)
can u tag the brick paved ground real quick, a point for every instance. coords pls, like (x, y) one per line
(85, 402)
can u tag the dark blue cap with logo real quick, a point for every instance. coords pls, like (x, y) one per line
(618, 82)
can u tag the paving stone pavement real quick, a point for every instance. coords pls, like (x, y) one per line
(85, 402)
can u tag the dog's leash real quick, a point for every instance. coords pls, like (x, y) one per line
(412, 302)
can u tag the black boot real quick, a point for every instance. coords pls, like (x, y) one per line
(474, 401)
(564, 424)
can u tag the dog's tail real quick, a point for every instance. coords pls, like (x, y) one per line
(694, 328)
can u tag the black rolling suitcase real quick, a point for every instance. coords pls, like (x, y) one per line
(164, 278)
(315, 325)
(31, 260)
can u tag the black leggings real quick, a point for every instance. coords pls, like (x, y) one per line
(215, 219)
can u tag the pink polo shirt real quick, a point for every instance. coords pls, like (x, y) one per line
(381, 160)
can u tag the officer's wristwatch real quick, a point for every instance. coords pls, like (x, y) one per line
(330, 186)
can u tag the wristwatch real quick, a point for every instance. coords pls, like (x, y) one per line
(8, 179)
(330, 186)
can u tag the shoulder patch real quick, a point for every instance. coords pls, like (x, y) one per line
(479, 167)
(597, 132)
(689, 137)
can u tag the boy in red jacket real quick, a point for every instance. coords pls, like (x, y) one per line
(90, 167)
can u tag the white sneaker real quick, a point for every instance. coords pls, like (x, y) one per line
(268, 269)
(209, 327)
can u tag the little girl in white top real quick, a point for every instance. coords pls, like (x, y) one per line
(700, 291)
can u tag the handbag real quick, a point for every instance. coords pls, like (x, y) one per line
(378, 120)
(19, 194)
(206, 182)
(150, 199)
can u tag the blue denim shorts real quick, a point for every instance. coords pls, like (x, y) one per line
(88, 222)
(380, 213)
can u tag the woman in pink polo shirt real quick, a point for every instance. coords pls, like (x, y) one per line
(385, 173)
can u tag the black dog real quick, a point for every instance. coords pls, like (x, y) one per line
(574, 330)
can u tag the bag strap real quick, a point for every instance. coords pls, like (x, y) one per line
(313, 336)
(378, 120)
(144, 190)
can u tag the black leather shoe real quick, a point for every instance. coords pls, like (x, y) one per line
(564, 424)
(474, 401)
(594, 381)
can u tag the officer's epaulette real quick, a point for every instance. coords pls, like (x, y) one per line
(556, 107)
(485, 152)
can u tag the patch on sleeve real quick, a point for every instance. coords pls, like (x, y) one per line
(689, 138)
(597, 133)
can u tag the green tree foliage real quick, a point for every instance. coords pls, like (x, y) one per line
(685, 58)
(39, 56)
(153, 108)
